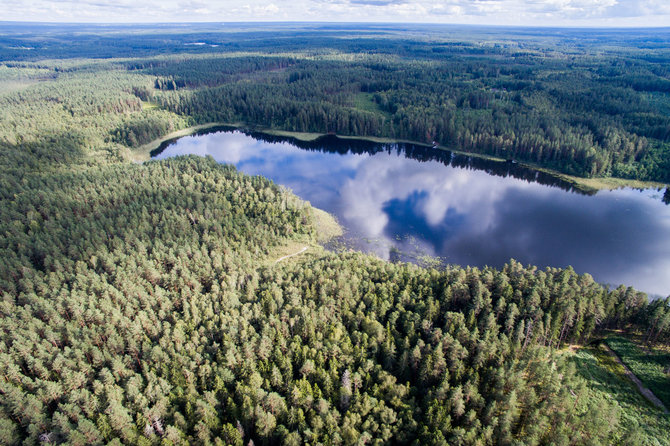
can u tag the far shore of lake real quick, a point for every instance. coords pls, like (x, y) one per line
(143, 153)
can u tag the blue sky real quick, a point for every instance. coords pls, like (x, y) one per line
(494, 12)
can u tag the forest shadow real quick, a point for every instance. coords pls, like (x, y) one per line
(62, 148)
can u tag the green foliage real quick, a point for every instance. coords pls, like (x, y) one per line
(640, 422)
(586, 123)
(600, 109)
(134, 304)
(103, 280)
(82, 114)
(652, 367)
(139, 129)
(657, 316)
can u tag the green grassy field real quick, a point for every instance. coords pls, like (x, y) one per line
(365, 102)
(649, 366)
(642, 423)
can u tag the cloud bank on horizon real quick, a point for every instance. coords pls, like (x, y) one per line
(491, 12)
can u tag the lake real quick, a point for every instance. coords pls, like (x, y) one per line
(405, 202)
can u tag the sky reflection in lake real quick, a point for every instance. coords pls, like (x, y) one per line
(387, 201)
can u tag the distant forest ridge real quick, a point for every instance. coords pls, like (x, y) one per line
(591, 103)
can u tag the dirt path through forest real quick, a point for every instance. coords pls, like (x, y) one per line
(291, 255)
(643, 390)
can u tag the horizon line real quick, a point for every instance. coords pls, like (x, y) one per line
(334, 22)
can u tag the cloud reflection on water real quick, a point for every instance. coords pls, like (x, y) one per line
(463, 215)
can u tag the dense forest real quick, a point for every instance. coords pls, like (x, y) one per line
(569, 122)
(134, 308)
(140, 303)
(582, 103)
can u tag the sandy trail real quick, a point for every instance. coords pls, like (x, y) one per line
(291, 255)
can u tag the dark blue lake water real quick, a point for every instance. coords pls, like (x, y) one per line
(403, 201)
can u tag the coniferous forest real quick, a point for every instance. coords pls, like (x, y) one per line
(141, 303)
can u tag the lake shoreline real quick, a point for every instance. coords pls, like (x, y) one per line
(143, 153)
(459, 209)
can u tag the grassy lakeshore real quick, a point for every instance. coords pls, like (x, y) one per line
(326, 228)
(143, 153)
(598, 183)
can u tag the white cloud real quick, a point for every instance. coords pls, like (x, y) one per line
(498, 12)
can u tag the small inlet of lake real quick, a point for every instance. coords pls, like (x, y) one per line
(405, 202)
